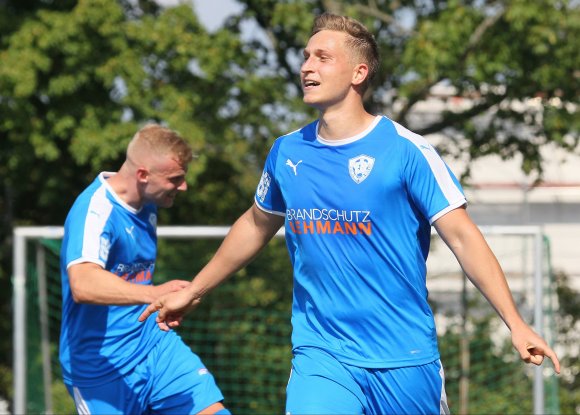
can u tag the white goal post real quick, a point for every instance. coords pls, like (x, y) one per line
(22, 235)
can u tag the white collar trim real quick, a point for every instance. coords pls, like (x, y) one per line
(103, 176)
(349, 139)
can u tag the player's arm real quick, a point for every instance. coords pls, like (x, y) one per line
(249, 234)
(482, 268)
(91, 284)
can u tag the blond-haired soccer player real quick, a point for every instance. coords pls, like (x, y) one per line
(112, 364)
(358, 194)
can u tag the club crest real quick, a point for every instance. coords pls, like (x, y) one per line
(263, 186)
(360, 167)
(153, 220)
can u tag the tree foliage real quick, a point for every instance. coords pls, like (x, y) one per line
(78, 78)
(511, 67)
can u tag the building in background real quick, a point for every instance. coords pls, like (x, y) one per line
(500, 194)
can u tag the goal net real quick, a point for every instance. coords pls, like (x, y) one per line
(242, 329)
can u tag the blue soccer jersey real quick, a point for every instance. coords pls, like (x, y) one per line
(98, 341)
(358, 215)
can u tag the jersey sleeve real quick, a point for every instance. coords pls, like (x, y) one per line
(432, 186)
(268, 195)
(88, 232)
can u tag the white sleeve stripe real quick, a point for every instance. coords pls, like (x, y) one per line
(272, 212)
(438, 167)
(82, 260)
(98, 213)
(446, 210)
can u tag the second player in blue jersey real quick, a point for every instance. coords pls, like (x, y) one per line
(111, 363)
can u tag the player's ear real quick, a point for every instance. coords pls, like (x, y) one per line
(142, 174)
(360, 73)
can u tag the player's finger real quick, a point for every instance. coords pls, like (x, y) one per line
(556, 363)
(537, 355)
(525, 355)
(162, 326)
(536, 359)
(173, 323)
(151, 308)
(552, 356)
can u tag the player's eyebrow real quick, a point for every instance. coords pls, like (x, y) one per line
(316, 52)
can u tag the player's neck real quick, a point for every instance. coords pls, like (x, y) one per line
(124, 189)
(338, 124)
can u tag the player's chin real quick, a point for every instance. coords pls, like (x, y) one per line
(312, 101)
(167, 202)
(308, 99)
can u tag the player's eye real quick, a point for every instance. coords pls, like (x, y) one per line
(177, 180)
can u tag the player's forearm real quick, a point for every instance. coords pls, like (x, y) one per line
(249, 234)
(479, 263)
(486, 274)
(484, 271)
(94, 285)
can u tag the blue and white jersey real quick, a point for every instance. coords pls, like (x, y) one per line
(97, 341)
(358, 222)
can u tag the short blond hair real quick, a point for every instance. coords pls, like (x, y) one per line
(158, 140)
(361, 41)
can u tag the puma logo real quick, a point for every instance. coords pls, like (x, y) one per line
(294, 166)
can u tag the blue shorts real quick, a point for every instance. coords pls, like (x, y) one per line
(170, 380)
(320, 384)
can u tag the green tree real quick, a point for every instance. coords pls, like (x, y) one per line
(77, 79)
(511, 65)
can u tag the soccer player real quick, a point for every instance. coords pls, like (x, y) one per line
(111, 363)
(358, 194)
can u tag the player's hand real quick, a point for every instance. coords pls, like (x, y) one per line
(171, 307)
(532, 348)
(170, 286)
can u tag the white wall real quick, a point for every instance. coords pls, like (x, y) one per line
(499, 193)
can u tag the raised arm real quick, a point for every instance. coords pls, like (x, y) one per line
(249, 234)
(482, 268)
(91, 284)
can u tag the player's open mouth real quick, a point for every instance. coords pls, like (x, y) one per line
(310, 84)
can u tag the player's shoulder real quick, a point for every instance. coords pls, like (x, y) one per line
(405, 135)
(305, 133)
(93, 200)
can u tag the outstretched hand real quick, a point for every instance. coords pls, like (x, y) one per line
(171, 307)
(170, 286)
(532, 348)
